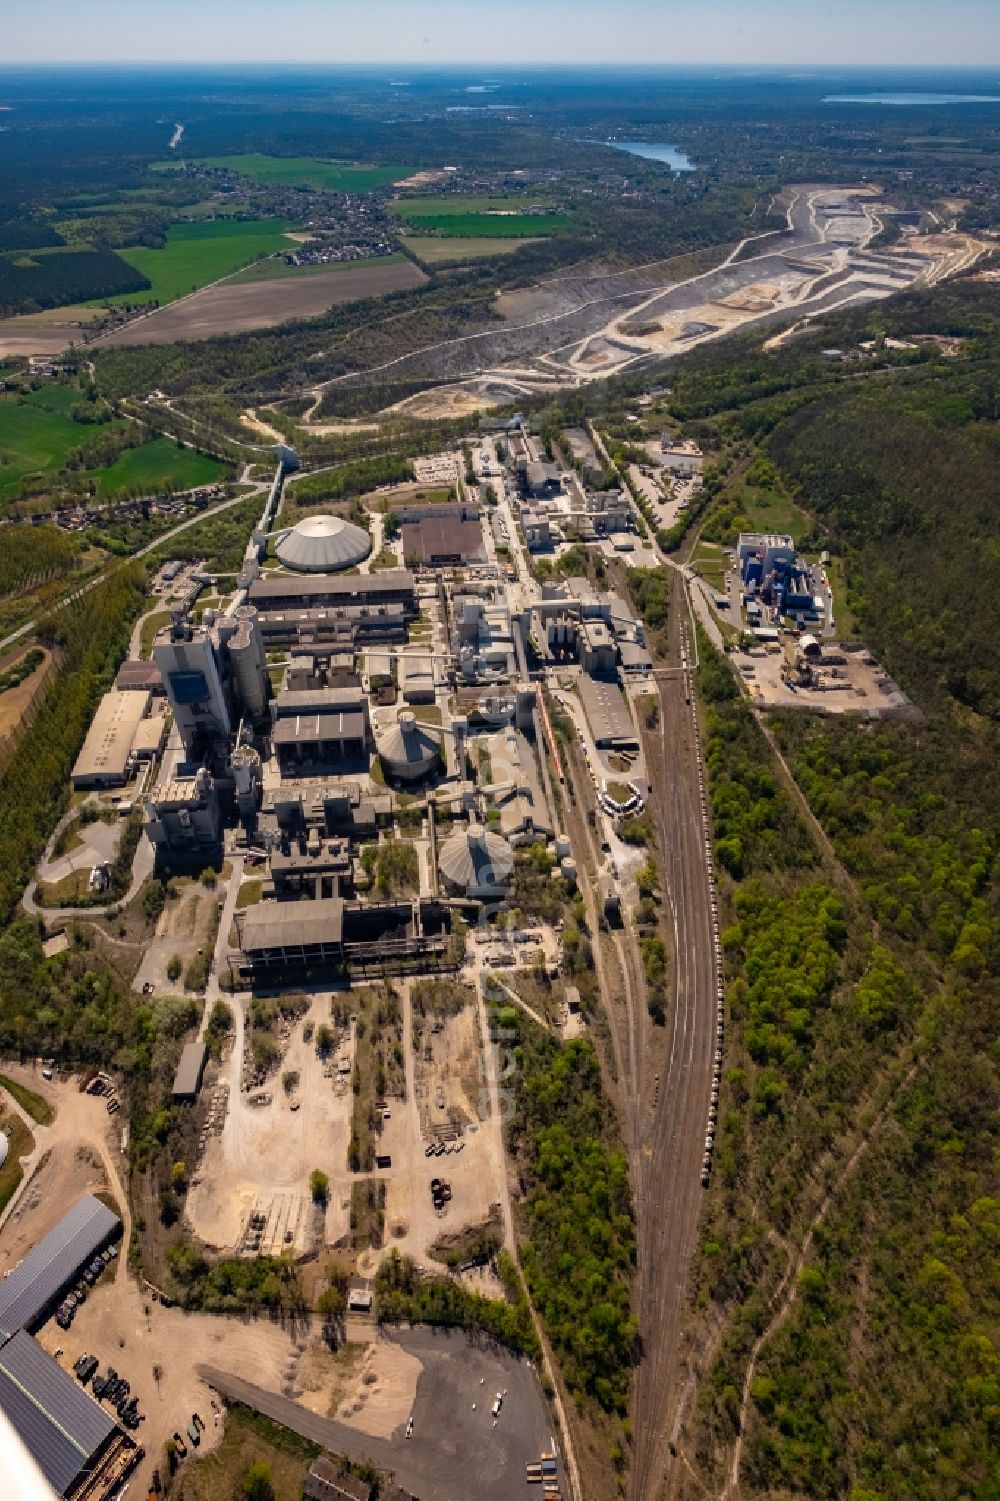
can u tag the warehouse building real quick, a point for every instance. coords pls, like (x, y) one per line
(73, 1441)
(36, 1286)
(274, 935)
(607, 714)
(446, 536)
(106, 757)
(190, 1071)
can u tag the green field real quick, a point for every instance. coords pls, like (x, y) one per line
(434, 248)
(156, 467)
(461, 204)
(468, 226)
(275, 270)
(459, 217)
(36, 435)
(199, 252)
(310, 172)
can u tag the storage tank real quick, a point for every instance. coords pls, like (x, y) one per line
(249, 661)
(408, 749)
(567, 869)
(563, 846)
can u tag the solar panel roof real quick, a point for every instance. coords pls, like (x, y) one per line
(61, 1426)
(54, 1263)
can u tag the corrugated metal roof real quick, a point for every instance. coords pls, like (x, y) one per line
(274, 925)
(187, 1080)
(62, 1427)
(54, 1263)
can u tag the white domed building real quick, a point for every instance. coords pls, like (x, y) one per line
(409, 750)
(323, 544)
(477, 861)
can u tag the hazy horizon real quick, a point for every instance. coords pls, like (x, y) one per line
(470, 33)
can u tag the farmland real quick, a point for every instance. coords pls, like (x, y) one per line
(497, 223)
(36, 435)
(197, 253)
(156, 467)
(310, 172)
(459, 217)
(276, 269)
(238, 306)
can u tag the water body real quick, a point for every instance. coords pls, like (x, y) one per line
(903, 98)
(656, 151)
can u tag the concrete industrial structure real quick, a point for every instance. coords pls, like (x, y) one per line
(322, 544)
(183, 819)
(285, 592)
(681, 456)
(476, 861)
(410, 750)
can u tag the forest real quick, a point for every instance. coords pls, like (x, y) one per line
(578, 1244)
(859, 1113)
(63, 276)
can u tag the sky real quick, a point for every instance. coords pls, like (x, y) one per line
(818, 32)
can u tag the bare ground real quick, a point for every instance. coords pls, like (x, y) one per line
(236, 307)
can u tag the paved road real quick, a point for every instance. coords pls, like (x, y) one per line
(455, 1452)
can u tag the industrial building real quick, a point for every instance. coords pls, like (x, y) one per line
(758, 553)
(443, 536)
(34, 1288)
(73, 1441)
(410, 750)
(417, 679)
(681, 456)
(105, 759)
(607, 714)
(514, 788)
(476, 861)
(183, 819)
(284, 592)
(190, 1071)
(322, 544)
(139, 676)
(597, 648)
(77, 1446)
(317, 726)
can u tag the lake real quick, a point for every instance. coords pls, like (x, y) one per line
(656, 151)
(903, 98)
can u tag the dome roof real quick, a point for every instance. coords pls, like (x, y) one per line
(476, 859)
(322, 544)
(409, 748)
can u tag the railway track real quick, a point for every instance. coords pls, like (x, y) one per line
(669, 1167)
(664, 1121)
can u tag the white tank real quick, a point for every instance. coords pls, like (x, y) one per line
(567, 869)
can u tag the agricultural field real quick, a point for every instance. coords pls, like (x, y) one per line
(156, 467)
(466, 218)
(309, 172)
(277, 269)
(432, 249)
(37, 434)
(199, 252)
